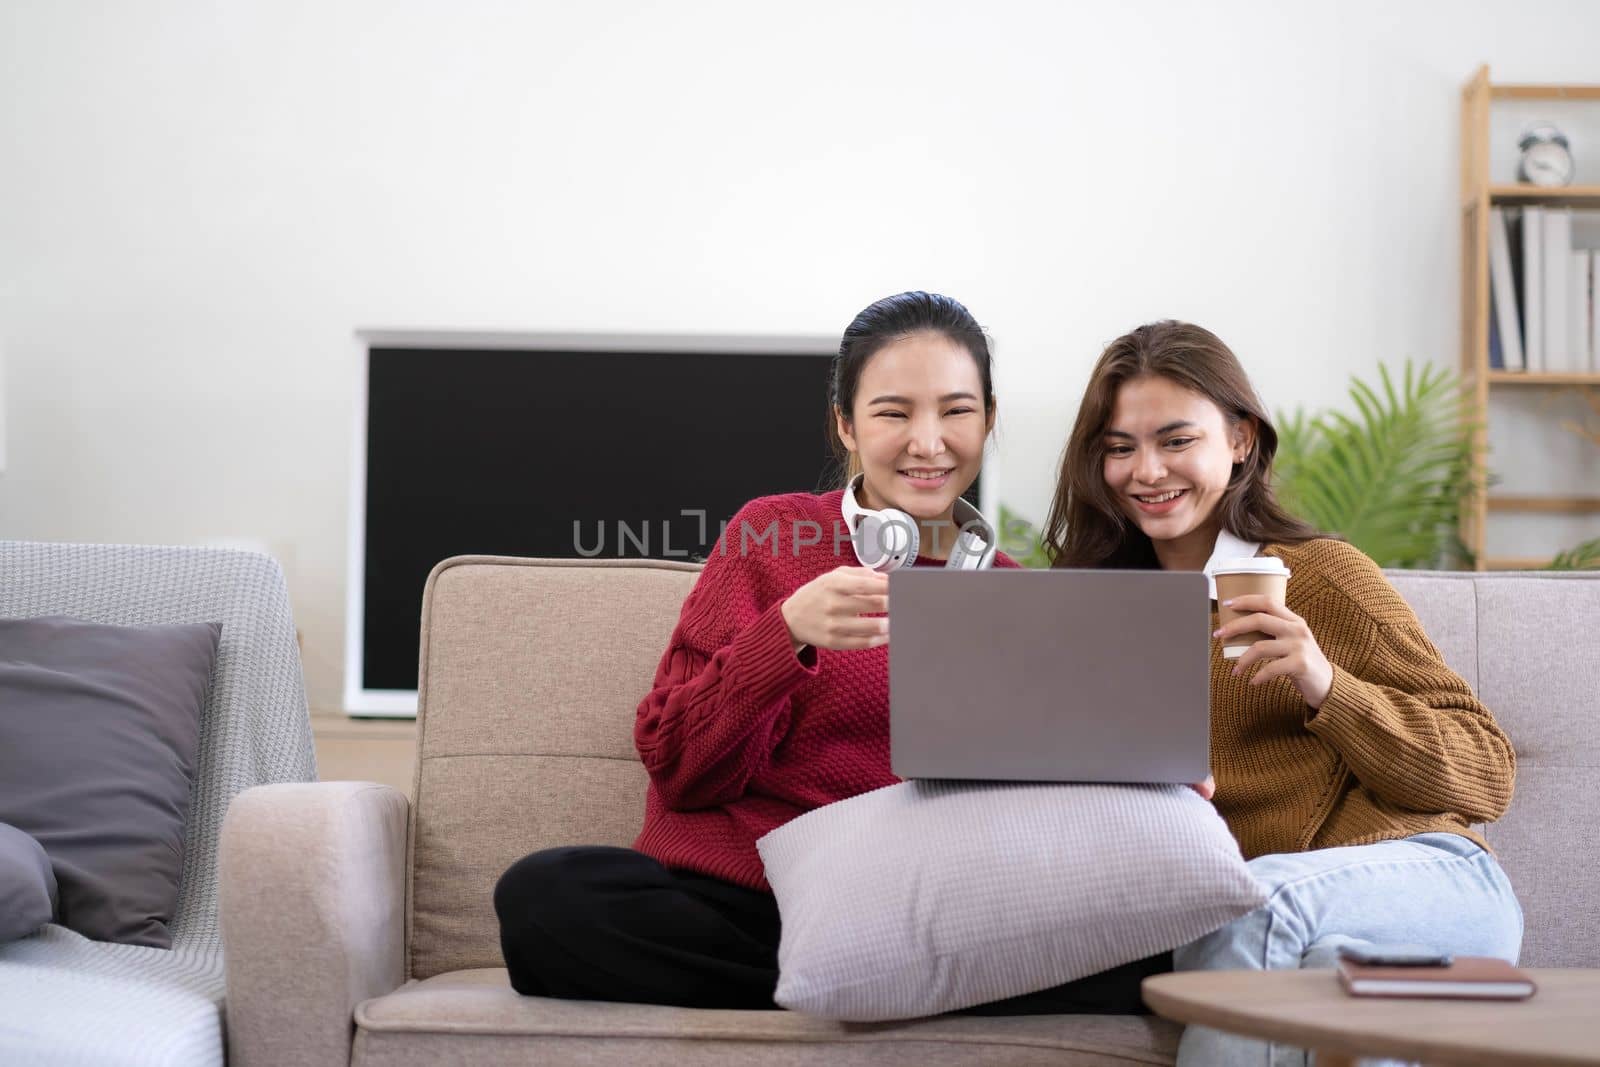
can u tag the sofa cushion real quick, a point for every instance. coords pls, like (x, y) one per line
(474, 1017)
(931, 896)
(531, 674)
(1537, 665)
(27, 885)
(99, 726)
(67, 1001)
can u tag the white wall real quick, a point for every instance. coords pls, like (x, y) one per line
(200, 202)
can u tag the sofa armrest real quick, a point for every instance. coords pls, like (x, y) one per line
(311, 903)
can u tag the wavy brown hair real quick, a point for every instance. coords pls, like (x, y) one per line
(1086, 528)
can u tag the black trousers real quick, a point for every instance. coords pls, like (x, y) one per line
(596, 923)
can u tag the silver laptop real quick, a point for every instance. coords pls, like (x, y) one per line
(1060, 676)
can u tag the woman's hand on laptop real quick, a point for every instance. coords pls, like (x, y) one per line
(832, 609)
(1289, 652)
(1207, 789)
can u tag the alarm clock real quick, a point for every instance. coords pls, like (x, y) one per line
(1546, 156)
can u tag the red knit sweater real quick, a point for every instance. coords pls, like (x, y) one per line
(740, 734)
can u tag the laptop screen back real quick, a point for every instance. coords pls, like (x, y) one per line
(1061, 675)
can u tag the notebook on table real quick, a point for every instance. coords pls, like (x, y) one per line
(1473, 977)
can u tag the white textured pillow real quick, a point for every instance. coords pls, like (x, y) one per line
(930, 896)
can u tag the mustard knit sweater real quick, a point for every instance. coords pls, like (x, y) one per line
(1401, 746)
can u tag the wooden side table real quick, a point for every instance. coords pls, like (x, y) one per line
(1559, 1025)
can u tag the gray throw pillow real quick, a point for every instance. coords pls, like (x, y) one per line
(931, 896)
(99, 728)
(27, 887)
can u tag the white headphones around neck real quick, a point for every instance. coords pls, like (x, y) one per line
(888, 540)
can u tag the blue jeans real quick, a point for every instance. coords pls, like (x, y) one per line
(1438, 890)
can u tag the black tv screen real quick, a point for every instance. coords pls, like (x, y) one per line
(566, 452)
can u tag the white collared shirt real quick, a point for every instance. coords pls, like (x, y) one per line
(1228, 547)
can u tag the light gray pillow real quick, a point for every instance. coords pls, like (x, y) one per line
(99, 729)
(931, 896)
(27, 887)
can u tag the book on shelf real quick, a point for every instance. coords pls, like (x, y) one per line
(1532, 231)
(1548, 260)
(1505, 321)
(1579, 358)
(1585, 292)
(1513, 218)
(1594, 312)
(1470, 977)
(1557, 289)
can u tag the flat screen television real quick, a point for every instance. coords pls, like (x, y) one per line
(558, 446)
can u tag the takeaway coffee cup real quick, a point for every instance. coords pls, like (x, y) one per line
(1238, 577)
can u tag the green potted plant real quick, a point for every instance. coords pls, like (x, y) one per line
(1587, 555)
(1020, 540)
(1391, 478)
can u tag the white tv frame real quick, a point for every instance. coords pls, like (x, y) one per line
(402, 703)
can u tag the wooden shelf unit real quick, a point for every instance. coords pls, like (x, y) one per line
(1512, 563)
(1540, 92)
(1565, 196)
(1544, 378)
(1545, 505)
(1478, 194)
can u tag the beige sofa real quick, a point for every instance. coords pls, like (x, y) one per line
(355, 934)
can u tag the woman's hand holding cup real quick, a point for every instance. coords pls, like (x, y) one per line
(833, 610)
(1286, 647)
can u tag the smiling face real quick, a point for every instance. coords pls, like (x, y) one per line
(918, 426)
(1169, 454)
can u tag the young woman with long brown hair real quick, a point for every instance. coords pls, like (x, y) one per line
(1350, 761)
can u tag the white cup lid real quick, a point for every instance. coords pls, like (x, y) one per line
(1249, 565)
